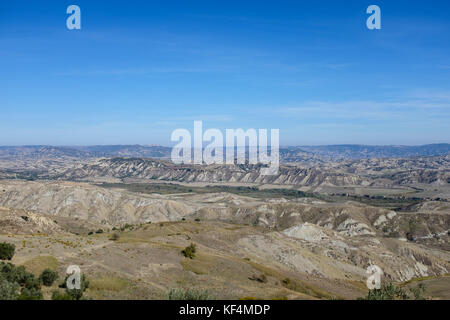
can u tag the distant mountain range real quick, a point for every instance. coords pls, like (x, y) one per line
(85, 152)
(288, 154)
(355, 151)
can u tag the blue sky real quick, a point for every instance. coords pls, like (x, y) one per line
(137, 70)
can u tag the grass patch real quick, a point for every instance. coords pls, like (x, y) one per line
(40, 263)
(292, 284)
(307, 289)
(108, 284)
(136, 239)
(234, 228)
(190, 294)
(413, 280)
(202, 264)
(171, 188)
(393, 203)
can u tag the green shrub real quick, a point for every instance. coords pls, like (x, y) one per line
(15, 274)
(391, 292)
(30, 294)
(126, 226)
(262, 278)
(32, 283)
(48, 277)
(387, 292)
(190, 294)
(189, 251)
(99, 231)
(8, 290)
(56, 295)
(7, 251)
(17, 283)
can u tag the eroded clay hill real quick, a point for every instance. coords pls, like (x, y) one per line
(335, 241)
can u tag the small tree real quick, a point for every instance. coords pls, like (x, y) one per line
(8, 290)
(16, 274)
(30, 294)
(7, 251)
(48, 277)
(17, 283)
(32, 283)
(189, 251)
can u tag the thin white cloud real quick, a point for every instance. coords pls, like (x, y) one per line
(429, 106)
(218, 118)
(135, 71)
(177, 121)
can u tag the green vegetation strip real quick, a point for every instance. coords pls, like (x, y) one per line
(170, 188)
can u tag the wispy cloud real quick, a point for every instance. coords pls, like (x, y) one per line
(336, 66)
(204, 117)
(426, 105)
(177, 121)
(136, 71)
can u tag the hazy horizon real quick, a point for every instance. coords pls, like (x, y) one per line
(170, 146)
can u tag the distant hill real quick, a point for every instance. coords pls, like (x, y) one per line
(354, 151)
(84, 152)
(127, 151)
(287, 154)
